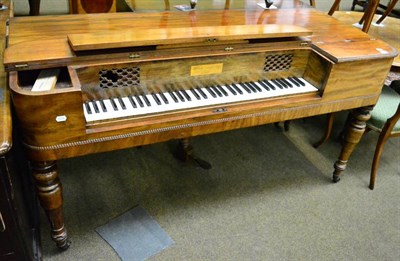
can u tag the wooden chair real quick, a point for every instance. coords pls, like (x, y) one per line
(92, 6)
(34, 7)
(364, 4)
(373, 6)
(369, 13)
(389, 9)
(384, 119)
(105, 6)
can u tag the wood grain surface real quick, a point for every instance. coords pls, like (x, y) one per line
(5, 103)
(48, 35)
(388, 31)
(165, 36)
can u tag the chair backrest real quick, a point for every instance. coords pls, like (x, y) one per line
(386, 113)
(369, 13)
(92, 6)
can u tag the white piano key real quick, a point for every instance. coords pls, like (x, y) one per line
(194, 103)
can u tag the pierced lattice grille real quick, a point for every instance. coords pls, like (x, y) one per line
(278, 62)
(119, 77)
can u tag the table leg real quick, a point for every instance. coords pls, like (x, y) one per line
(354, 132)
(49, 190)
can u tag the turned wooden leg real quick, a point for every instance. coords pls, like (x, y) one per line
(354, 132)
(49, 190)
(184, 152)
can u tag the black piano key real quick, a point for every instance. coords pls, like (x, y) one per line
(287, 82)
(156, 99)
(195, 94)
(139, 100)
(221, 90)
(113, 104)
(264, 85)
(173, 96)
(294, 82)
(186, 95)
(231, 89)
(103, 106)
(211, 92)
(236, 88)
(132, 101)
(202, 93)
(121, 102)
(215, 89)
(247, 89)
(96, 108)
(269, 84)
(282, 83)
(250, 87)
(277, 84)
(146, 100)
(180, 96)
(88, 109)
(299, 81)
(255, 86)
(163, 98)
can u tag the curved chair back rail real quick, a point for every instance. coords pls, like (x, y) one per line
(384, 119)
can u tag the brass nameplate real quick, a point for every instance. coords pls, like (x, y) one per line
(205, 69)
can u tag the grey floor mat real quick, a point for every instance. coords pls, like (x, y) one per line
(135, 235)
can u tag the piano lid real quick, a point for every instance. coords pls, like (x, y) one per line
(164, 36)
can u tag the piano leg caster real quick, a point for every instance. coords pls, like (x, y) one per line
(62, 242)
(335, 178)
(49, 191)
(184, 152)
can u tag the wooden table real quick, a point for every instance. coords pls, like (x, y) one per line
(388, 31)
(160, 5)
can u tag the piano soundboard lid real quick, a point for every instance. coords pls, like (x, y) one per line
(162, 36)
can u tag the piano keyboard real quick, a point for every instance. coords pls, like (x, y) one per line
(173, 99)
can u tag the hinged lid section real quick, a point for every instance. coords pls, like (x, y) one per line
(164, 36)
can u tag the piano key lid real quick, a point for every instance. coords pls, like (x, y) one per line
(168, 36)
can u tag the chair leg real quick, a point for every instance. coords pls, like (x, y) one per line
(334, 7)
(375, 162)
(328, 131)
(227, 4)
(387, 12)
(369, 13)
(34, 7)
